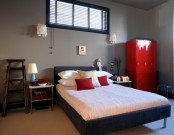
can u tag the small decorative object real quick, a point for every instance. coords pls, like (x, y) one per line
(32, 69)
(125, 78)
(118, 79)
(43, 80)
(34, 83)
(82, 50)
(99, 65)
(42, 84)
(112, 38)
(41, 30)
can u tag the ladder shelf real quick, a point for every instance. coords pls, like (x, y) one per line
(14, 84)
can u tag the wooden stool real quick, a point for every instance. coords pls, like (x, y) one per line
(166, 88)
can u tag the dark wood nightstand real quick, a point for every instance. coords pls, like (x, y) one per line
(124, 83)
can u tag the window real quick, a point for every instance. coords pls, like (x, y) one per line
(76, 15)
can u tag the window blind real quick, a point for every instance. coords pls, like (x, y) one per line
(77, 16)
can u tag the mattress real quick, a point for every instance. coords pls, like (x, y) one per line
(109, 100)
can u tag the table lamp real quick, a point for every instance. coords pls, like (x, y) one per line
(32, 69)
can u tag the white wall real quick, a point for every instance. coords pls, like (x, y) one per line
(160, 28)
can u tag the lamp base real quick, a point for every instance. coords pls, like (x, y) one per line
(33, 77)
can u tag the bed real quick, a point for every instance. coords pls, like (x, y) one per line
(101, 126)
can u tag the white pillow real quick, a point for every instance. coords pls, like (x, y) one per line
(69, 74)
(90, 74)
(103, 73)
(67, 82)
(110, 81)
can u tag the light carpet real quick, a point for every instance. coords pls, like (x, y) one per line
(47, 122)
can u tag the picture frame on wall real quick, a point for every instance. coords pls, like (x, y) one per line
(82, 50)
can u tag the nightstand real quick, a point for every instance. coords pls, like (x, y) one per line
(48, 95)
(124, 83)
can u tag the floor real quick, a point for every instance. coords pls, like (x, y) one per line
(47, 122)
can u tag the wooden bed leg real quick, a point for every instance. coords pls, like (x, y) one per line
(165, 122)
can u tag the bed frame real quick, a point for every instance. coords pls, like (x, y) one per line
(108, 124)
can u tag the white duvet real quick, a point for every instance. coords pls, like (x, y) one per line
(109, 100)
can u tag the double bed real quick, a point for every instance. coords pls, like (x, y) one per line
(113, 120)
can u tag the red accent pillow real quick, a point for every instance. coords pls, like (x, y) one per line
(103, 80)
(84, 84)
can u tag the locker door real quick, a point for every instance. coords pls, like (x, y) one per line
(148, 66)
(140, 76)
(153, 68)
(141, 72)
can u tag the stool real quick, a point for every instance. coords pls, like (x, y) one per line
(166, 88)
(170, 89)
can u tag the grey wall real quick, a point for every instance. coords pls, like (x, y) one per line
(160, 24)
(17, 37)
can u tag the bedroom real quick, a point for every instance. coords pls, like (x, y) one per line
(17, 40)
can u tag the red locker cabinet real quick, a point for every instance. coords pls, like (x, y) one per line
(141, 64)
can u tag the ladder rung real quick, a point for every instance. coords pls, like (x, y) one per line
(15, 60)
(16, 79)
(16, 68)
(16, 102)
(18, 90)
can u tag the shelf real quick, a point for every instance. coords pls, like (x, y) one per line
(15, 60)
(16, 68)
(39, 87)
(16, 79)
(16, 90)
(124, 83)
(42, 97)
(16, 102)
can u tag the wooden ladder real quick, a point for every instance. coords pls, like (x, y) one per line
(15, 83)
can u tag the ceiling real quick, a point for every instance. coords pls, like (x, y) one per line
(141, 4)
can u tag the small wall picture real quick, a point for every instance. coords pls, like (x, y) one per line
(82, 50)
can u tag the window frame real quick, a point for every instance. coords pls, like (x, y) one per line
(80, 28)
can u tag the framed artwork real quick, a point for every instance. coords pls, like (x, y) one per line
(82, 50)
